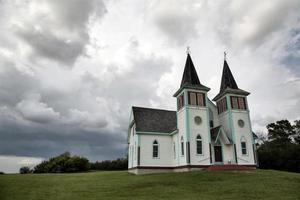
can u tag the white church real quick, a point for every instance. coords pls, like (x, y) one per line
(200, 134)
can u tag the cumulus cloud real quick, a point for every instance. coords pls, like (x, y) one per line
(56, 30)
(34, 110)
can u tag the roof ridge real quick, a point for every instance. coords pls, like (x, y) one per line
(153, 109)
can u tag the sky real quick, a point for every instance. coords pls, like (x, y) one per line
(70, 70)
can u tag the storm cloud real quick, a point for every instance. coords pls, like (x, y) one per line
(70, 70)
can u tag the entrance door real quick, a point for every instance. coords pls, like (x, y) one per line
(218, 154)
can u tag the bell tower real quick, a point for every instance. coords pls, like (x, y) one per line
(192, 118)
(234, 116)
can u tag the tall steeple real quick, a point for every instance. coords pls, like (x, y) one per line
(189, 75)
(190, 78)
(227, 78)
(228, 83)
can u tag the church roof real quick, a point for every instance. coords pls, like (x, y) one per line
(190, 78)
(217, 132)
(154, 120)
(228, 84)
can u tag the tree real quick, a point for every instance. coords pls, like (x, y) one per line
(297, 132)
(282, 149)
(281, 131)
(25, 170)
(63, 163)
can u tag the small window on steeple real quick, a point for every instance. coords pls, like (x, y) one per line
(238, 103)
(180, 102)
(196, 99)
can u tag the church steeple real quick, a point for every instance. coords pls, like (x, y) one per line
(227, 78)
(189, 75)
(190, 78)
(228, 83)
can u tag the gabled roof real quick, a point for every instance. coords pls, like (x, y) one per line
(154, 120)
(190, 78)
(218, 133)
(228, 83)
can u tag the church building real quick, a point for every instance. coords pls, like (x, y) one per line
(200, 134)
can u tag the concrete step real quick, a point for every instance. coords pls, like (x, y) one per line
(229, 167)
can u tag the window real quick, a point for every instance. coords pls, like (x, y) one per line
(155, 149)
(211, 123)
(244, 146)
(135, 151)
(182, 146)
(222, 105)
(242, 105)
(174, 150)
(238, 103)
(196, 99)
(199, 144)
(180, 102)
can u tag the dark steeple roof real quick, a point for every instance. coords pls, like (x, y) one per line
(190, 78)
(227, 78)
(189, 75)
(228, 84)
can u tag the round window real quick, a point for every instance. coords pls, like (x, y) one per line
(241, 123)
(198, 120)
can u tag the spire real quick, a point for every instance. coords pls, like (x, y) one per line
(189, 75)
(190, 78)
(227, 78)
(228, 84)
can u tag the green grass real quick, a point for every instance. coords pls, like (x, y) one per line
(257, 184)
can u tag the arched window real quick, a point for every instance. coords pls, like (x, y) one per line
(244, 146)
(155, 149)
(199, 144)
(182, 146)
(174, 150)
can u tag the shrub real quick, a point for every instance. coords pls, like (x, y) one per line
(25, 170)
(63, 163)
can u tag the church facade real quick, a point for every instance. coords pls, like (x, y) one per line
(199, 134)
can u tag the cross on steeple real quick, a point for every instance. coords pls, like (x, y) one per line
(188, 50)
(225, 55)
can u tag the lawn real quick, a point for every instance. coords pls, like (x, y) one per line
(257, 184)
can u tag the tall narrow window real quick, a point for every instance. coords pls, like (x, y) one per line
(234, 103)
(242, 105)
(199, 144)
(135, 151)
(182, 146)
(244, 146)
(222, 105)
(200, 99)
(238, 103)
(155, 149)
(174, 150)
(180, 102)
(196, 99)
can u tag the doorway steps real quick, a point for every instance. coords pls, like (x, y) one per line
(230, 167)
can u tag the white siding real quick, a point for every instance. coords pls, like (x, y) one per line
(243, 132)
(165, 155)
(203, 130)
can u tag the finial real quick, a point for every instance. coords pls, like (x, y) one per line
(225, 55)
(188, 51)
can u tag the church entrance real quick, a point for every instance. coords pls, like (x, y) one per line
(218, 154)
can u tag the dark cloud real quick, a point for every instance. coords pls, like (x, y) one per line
(60, 32)
(50, 46)
(90, 118)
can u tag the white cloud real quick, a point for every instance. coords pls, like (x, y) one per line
(36, 111)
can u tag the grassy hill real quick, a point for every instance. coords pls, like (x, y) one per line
(257, 184)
